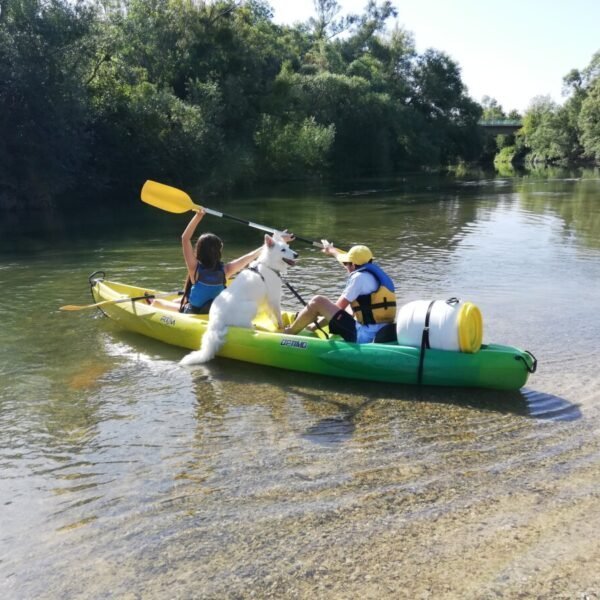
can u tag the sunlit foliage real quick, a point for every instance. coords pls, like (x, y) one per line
(99, 95)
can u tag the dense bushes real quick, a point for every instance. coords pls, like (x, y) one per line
(99, 96)
(106, 94)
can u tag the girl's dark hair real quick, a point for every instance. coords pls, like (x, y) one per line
(208, 250)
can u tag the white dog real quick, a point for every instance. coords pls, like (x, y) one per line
(255, 289)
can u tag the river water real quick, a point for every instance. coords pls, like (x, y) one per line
(125, 475)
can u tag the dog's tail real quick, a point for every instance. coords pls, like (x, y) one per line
(212, 340)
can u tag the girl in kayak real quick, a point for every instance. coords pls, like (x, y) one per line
(365, 307)
(207, 274)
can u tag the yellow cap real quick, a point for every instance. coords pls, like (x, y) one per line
(357, 255)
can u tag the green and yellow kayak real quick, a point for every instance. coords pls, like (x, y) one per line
(493, 366)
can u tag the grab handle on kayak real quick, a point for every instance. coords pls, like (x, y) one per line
(533, 367)
(93, 279)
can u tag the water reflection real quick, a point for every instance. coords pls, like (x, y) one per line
(541, 405)
(344, 401)
(523, 402)
(338, 429)
(526, 403)
(574, 200)
(332, 430)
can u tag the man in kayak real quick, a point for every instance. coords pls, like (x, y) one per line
(365, 307)
(207, 274)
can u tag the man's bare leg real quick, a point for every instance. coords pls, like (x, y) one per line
(318, 306)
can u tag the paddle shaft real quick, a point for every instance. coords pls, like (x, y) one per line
(175, 200)
(303, 302)
(298, 296)
(217, 213)
(120, 300)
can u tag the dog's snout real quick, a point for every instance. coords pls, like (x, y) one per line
(296, 255)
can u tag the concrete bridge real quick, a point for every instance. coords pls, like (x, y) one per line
(501, 126)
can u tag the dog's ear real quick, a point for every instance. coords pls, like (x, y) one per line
(269, 241)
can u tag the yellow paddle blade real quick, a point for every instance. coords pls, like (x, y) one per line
(167, 198)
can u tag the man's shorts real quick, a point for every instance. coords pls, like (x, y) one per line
(343, 324)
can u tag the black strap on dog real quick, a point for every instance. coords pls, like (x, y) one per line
(255, 270)
(424, 342)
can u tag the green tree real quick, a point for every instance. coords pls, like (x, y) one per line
(45, 54)
(204, 72)
(327, 24)
(293, 150)
(368, 28)
(544, 132)
(492, 109)
(592, 72)
(589, 122)
(451, 116)
(568, 133)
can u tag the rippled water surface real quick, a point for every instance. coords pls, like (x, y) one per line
(124, 475)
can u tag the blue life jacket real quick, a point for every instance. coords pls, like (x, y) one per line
(209, 284)
(379, 306)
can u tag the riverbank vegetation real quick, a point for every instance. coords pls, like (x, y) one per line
(552, 134)
(96, 96)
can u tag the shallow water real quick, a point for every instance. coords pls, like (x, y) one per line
(125, 475)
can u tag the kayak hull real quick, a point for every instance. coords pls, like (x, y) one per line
(494, 366)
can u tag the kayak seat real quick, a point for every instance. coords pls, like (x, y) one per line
(386, 334)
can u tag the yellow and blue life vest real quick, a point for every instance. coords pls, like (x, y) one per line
(379, 306)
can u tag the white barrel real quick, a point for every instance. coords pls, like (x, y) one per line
(453, 325)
